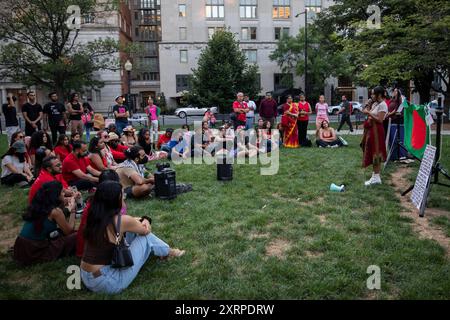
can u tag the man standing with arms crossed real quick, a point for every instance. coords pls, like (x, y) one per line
(32, 112)
(268, 109)
(240, 108)
(55, 116)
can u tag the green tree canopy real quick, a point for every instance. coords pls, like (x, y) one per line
(222, 72)
(325, 58)
(412, 42)
(40, 49)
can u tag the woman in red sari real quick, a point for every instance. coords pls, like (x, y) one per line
(289, 122)
(373, 142)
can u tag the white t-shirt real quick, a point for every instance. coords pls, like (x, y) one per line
(378, 107)
(252, 106)
(20, 166)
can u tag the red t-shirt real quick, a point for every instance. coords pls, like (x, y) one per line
(72, 163)
(305, 106)
(62, 152)
(105, 163)
(162, 140)
(243, 105)
(44, 177)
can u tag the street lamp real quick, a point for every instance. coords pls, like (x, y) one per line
(306, 49)
(128, 67)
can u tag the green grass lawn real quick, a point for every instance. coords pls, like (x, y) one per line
(267, 237)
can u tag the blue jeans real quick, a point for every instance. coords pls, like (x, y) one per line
(120, 126)
(88, 127)
(249, 123)
(115, 280)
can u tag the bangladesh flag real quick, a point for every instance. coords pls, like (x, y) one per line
(417, 132)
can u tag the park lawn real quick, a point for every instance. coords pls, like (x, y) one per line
(266, 237)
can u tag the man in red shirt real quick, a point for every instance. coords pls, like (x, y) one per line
(50, 171)
(76, 169)
(268, 109)
(164, 138)
(240, 108)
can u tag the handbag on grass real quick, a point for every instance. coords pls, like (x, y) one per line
(122, 257)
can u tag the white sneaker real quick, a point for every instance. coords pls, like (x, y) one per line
(376, 179)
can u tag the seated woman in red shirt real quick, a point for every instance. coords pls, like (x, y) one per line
(96, 157)
(62, 147)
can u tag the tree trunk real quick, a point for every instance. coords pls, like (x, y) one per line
(422, 83)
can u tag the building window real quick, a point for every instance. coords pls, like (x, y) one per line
(247, 9)
(88, 18)
(248, 33)
(182, 10)
(183, 82)
(149, 33)
(282, 81)
(136, 32)
(251, 56)
(148, 4)
(98, 96)
(148, 64)
(281, 9)
(313, 7)
(212, 30)
(215, 9)
(150, 16)
(150, 48)
(183, 33)
(281, 33)
(183, 56)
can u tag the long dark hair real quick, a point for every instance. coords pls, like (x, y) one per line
(45, 200)
(14, 136)
(60, 141)
(141, 137)
(10, 152)
(72, 96)
(93, 144)
(39, 157)
(37, 140)
(105, 205)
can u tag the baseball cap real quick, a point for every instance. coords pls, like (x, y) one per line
(19, 146)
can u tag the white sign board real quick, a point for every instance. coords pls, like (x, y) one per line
(420, 193)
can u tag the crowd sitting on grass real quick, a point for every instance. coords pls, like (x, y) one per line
(112, 168)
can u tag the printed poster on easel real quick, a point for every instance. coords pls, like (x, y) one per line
(422, 185)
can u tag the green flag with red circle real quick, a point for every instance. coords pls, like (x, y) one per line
(417, 131)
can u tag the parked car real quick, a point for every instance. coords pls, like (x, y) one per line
(357, 107)
(193, 111)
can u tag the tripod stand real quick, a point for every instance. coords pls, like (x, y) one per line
(396, 145)
(437, 167)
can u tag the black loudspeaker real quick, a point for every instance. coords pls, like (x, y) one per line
(224, 170)
(165, 183)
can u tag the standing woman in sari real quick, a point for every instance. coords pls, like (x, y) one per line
(373, 142)
(289, 121)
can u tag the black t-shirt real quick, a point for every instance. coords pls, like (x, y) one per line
(10, 115)
(75, 106)
(32, 110)
(55, 112)
(121, 109)
(346, 106)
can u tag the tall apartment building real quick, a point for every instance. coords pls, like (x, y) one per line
(187, 26)
(146, 20)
